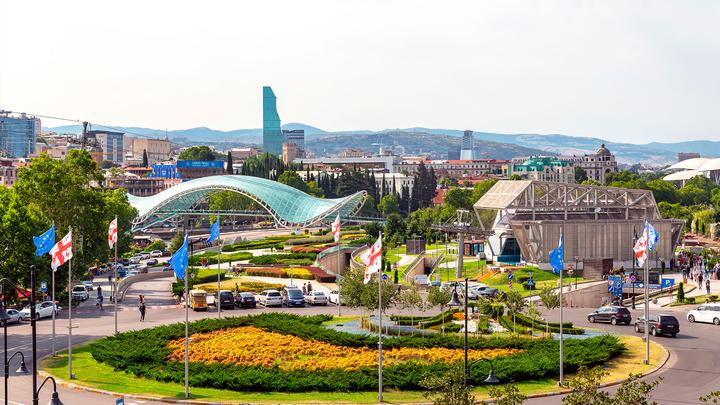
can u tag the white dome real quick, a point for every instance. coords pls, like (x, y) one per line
(689, 164)
(710, 165)
(681, 176)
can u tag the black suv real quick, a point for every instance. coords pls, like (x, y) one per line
(659, 325)
(245, 300)
(613, 314)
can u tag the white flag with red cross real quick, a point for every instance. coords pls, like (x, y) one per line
(372, 259)
(336, 229)
(112, 233)
(61, 252)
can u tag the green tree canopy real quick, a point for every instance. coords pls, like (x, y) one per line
(389, 205)
(197, 153)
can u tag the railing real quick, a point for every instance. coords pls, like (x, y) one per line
(409, 269)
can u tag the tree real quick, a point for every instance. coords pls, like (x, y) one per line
(229, 164)
(394, 229)
(508, 394)
(533, 313)
(197, 153)
(439, 297)
(514, 176)
(459, 198)
(586, 389)
(358, 294)
(292, 179)
(515, 303)
(550, 300)
(410, 299)
(448, 388)
(145, 161)
(663, 191)
(580, 174)
(389, 205)
(448, 182)
(178, 240)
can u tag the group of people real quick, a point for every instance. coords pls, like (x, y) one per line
(695, 267)
(307, 288)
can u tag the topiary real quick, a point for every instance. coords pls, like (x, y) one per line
(680, 293)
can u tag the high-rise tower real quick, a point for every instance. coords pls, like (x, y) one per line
(272, 134)
(466, 151)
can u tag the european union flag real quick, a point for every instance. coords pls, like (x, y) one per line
(652, 236)
(45, 242)
(179, 260)
(214, 231)
(557, 257)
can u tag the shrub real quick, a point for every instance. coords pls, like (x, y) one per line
(690, 300)
(300, 259)
(712, 298)
(680, 293)
(224, 258)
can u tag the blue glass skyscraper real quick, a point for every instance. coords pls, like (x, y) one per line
(17, 135)
(272, 134)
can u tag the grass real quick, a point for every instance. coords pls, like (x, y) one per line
(699, 299)
(91, 373)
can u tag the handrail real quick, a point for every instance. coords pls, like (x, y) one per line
(412, 265)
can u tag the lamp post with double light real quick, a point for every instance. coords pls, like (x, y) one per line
(455, 303)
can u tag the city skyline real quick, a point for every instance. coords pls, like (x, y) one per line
(630, 72)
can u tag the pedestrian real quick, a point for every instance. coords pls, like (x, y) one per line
(700, 280)
(707, 286)
(309, 288)
(304, 288)
(662, 266)
(142, 308)
(109, 279)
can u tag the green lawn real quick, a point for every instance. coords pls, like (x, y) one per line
(699, 299)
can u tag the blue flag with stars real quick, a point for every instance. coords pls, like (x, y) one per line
(179, 260)
(45, 242)
(557, 257)
(652, 236)
(214, 231)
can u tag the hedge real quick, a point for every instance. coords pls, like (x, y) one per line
(194, 260)
(537, 360)
(299, 259)
(278, 272)
(427, 321)
(567, 326)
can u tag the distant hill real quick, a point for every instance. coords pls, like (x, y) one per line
(438, 141)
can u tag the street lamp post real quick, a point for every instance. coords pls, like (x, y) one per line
(55, 399)
(23, 368)
(455, 302)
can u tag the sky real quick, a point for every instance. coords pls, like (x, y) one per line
(629, 71)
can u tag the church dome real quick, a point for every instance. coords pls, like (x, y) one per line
(603, 151)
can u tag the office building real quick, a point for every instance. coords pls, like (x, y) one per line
(466, 150)
(376, 163)
(543, 168)
(296, 136)
(289, 152)
(111, 143)
(17, 134)
(454, 153)
(241, 154)
(459, 169)
(8, 172)
(157, 149)
(272, 134)
(397, 180)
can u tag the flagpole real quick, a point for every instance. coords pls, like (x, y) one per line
(69, 287)
(114, 281)
(561, 308)
(218, 288)
(187, 348)
(647, 293)
(52, 293)
(380, 373)
(339, 253)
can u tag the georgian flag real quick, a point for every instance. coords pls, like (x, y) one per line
(61, 252)
(641, 248)
(112, 233)
(336, 229)
(372, 260)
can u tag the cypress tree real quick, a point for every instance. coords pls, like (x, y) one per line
(229, 168)
(145, 159)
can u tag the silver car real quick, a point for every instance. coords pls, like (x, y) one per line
(14, 315)
(316, 298)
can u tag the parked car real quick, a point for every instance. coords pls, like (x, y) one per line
(334, 297)
(316, 298)
(152, 262)
(134, 260)
(132, 273)
(14, 315)
(198, 300)
(245, 300)
(612, 314)
(79, 293)
(226, 299)
(144, 256)
(88, 285)
(659, 325)
(156, 253)
(125, 262)
(292, 297)
(270, 298)
(42, 310)
(705, 313)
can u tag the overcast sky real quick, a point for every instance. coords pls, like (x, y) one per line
(631, 71)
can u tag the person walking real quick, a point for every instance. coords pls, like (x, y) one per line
(304, 288)
(142, 308)
(100, 298)
(707, 285)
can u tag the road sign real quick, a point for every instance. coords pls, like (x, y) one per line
(120, 401)
(511, 276)
(633, 278)
(43, 286)
(385, 276)
(668, 282)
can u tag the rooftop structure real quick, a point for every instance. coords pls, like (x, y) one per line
(687, 169)
(374, 162)
(288, 206)
(543, 168)
(272, 134)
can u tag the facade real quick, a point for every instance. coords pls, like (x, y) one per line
(397, 180)
(296, 136)
(541, 168)
(194, 169)
(8, 172)
(454, 153)
(140, 186)
(353, 153)
(596, 222)
(459, 169)
(468, 145)
(18, 133)
(381, 163)
(165, 171)
(111, 143)
(244, 153)
(596, 165)
(687, 155)
(289, 152)
(272, 134)
(157, 149)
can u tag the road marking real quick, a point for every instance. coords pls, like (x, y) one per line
(13, 402)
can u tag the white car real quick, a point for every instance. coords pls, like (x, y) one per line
(316, 298)
(156, 253)
(144, 256)
(14, 315)
(80, 293)
(132, 273)
(705, 313)
(270, 298)
(42, 310)
(334, 297)
(134, 260)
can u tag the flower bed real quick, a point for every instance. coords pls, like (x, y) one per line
(285, 352)
(281, 272)
(300, 259)
(321, 275)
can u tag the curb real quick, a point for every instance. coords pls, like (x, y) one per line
(83, 388)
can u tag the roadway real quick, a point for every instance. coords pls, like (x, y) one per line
(692, 370)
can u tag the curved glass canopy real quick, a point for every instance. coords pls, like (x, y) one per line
(288, 206)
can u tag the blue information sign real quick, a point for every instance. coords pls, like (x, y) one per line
(120, 401)
(511, 276)
(43, 286)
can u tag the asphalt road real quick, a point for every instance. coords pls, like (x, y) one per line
(693, 368)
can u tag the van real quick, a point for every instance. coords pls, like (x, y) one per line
(198, 300)
(292, 297)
